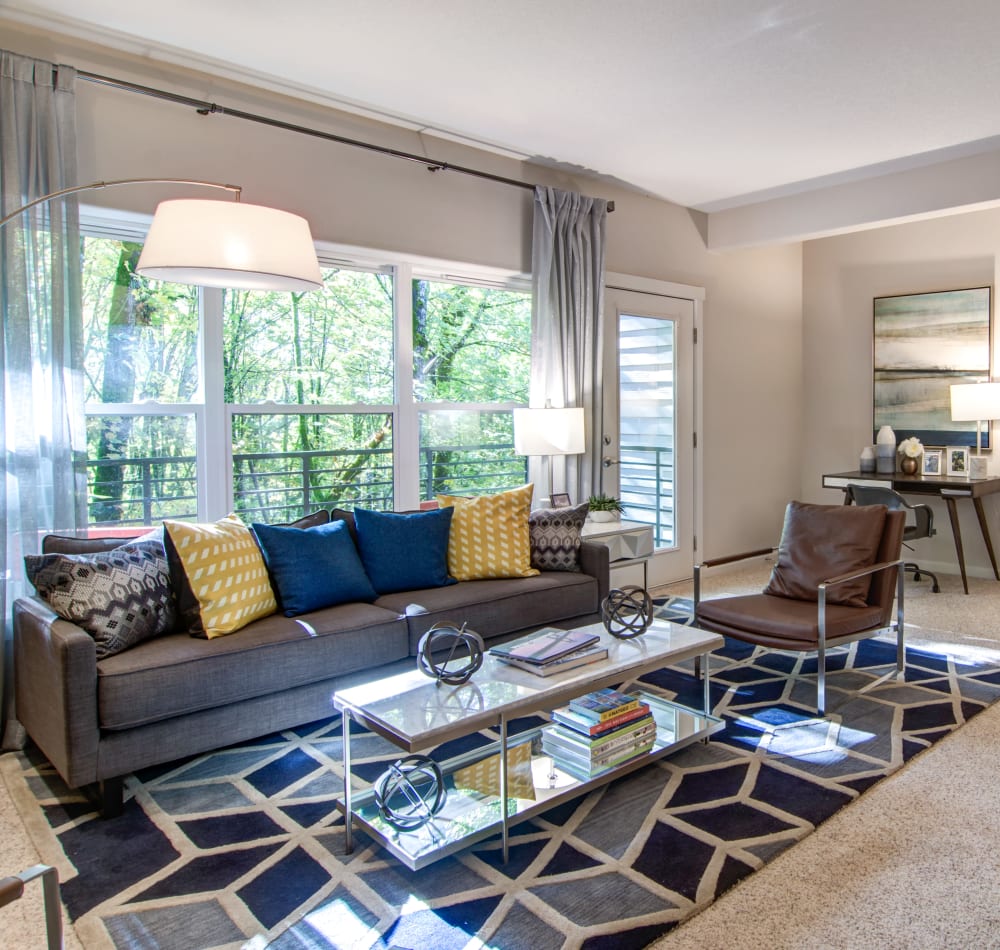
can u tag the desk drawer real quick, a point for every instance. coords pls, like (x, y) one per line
(839, 481)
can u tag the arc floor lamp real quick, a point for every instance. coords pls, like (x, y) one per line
(216, 243)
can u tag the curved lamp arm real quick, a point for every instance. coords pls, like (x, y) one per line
(93, 186)
(217, 243)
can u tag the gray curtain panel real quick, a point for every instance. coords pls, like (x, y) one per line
(567, 330)
(43, 482)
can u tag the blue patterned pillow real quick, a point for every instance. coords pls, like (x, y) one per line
(404, 551)
(313, 568)
(555, 537)
(120, 597)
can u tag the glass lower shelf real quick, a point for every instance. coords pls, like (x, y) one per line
(536, 782)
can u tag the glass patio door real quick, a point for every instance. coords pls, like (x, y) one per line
(648, 419)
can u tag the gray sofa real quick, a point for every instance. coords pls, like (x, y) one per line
(177, 695)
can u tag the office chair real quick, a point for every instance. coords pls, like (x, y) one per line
(922, 527)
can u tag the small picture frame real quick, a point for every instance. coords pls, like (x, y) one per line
(932, 462)
(559, 500)
(978, 466)
(958, 460)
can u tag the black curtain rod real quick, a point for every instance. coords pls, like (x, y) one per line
(211, 108)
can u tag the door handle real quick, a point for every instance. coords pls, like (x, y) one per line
(607, 461)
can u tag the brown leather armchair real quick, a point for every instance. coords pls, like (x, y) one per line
(835, 576)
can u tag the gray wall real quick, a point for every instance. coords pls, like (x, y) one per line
(752, 386)
(841, 276)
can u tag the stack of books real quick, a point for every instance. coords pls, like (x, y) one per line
(598, 731)
(550, 650)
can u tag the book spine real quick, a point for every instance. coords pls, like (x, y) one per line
(599, 710)
(641, 731)
(588, 768)
(603, 704)
(584, 726)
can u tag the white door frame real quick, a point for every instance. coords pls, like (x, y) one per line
(665, 288)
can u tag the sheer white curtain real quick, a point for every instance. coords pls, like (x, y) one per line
(42, 424)
(567, 330)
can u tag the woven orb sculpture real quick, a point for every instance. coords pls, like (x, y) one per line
(410, 792)
(450, 654)
(627, 612)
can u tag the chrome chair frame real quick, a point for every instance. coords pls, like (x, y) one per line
(823, 641)
(11, 889)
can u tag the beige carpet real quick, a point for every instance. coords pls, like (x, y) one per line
(914, 863)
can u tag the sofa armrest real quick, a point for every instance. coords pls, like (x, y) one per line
(595, 560)
(55, 689)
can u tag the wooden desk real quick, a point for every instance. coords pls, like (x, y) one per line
(948, 487)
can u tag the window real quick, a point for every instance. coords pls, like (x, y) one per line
(471, 364)
(357, 394)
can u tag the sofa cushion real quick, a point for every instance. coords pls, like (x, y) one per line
(224, 571)
(555, 537)
(499, 606)
(489, 535)
(404, 551)
(314, 567)
(822, 541)
(120, 597)
(176, 674)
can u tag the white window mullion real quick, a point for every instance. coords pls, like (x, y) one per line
(215, 469)
(406, 420)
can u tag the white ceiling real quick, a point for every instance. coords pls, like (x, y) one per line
(712, 104)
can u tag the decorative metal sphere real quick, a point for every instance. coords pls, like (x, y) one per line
(410, 792)
(465, 650)
(627, 612)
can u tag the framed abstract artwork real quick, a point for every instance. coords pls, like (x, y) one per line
(923, 344)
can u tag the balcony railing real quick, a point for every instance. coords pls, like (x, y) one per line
(281, 486)
(646, 476)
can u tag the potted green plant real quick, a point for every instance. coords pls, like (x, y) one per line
(605, 508)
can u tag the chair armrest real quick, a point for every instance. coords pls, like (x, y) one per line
(732, 558)
(717, 561)
(873, 569)
(55, 689)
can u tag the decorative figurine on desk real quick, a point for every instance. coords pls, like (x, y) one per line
(866, 463)
(885, 451)
(463, 645)
(627, 612)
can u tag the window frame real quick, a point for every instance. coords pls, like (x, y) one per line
(213, 417)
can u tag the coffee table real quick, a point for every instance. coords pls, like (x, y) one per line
(414, 713)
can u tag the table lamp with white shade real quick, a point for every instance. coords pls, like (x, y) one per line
(549, 432)
(976, 402)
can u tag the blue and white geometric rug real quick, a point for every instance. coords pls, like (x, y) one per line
(244, 847)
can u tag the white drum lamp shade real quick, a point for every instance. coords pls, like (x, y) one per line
(230, 244)
(975, 402)
(548, 431)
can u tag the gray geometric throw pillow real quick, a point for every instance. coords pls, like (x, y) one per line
(120, 597)
(555, 537)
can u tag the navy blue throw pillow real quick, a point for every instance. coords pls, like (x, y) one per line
(404, 551)
(312, 568)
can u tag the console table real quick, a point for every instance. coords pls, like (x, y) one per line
(630, 544)
(948, 487)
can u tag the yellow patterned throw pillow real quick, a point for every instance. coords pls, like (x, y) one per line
(489, 535)
(226, 572)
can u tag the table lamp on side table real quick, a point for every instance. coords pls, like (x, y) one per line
(976, 402)
(549, 432)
